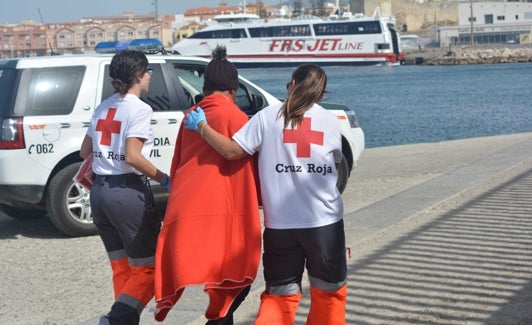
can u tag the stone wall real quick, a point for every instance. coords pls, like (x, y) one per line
(480, 56)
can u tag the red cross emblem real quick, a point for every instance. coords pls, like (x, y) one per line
(303, 137)
(108, 127)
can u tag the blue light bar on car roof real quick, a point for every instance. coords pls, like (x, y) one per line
(146, 45)
(105, 47)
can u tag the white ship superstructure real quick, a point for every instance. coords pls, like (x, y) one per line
(349, 40)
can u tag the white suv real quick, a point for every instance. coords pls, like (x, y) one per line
(45, 107)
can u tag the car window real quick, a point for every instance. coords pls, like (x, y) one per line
(243, 100)
(49, 91)
(157, 97)
(191, 77)
(8, 88)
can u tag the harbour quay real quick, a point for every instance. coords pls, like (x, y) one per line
(469, 55)
(437, 233)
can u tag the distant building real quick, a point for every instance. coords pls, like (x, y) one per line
(490, 23)
(34, 39)
(358, 6)
(208, 13)
(187, 30)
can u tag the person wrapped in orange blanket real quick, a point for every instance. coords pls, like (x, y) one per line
(211, 233)
(303, 208)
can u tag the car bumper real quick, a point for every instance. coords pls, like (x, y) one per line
(21, 196)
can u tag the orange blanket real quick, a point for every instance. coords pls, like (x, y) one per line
(211, 234)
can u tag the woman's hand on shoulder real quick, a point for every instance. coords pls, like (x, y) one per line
(194, 118)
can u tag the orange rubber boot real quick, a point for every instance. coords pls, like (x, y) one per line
(327, 307)
(141, 284)
(121, 274)
(277, 309)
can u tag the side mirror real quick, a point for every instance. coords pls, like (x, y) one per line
(198, 98)
(258, 102)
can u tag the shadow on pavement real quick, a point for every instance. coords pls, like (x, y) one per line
(32, 228)
(470, 265)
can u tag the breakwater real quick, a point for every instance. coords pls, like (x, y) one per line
(470, 56)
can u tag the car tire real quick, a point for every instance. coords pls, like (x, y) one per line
(21, 214)
(343, 174)
(68, 204)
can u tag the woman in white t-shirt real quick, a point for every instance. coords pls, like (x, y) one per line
(120, 139)
(299, 145)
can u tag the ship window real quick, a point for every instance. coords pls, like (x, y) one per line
(347, 28)
(223, 33)
(280, 31)
(259, 32)
(299, 30)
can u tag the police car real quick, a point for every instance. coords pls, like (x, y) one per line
(45, 108)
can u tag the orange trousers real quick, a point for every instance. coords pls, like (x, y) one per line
(134, 281)
(326, 308)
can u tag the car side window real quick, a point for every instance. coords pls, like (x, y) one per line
(50, 91)
(243, 100)
(191, 77)
(157, 97)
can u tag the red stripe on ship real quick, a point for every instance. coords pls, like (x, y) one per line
(391, 57)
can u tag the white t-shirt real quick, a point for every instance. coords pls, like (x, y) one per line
(296, 167)
(113, 121)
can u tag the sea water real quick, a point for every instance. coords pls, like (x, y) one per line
(415, 104)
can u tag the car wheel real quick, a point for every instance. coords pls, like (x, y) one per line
(68, 204)
(21, 214)
(343, 174)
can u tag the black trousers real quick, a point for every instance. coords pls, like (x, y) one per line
(122, 208)
(228, 319)
(321, 250)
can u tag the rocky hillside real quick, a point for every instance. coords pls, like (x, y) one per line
(416, 16)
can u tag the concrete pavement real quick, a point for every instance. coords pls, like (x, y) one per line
(438, 234)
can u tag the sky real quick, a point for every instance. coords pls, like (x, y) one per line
(60, 11)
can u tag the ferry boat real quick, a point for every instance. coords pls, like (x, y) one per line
(252, 42)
